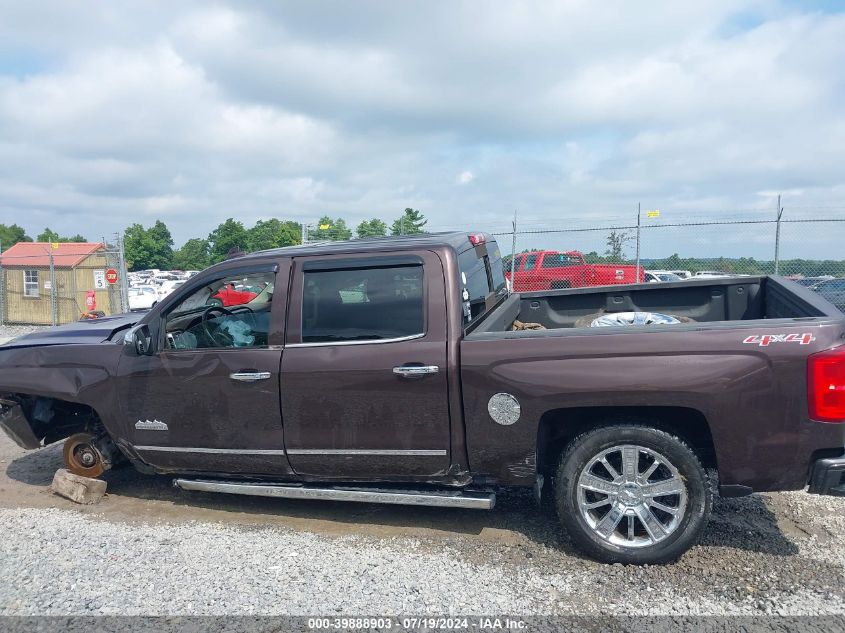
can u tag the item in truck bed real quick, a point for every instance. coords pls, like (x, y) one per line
(629, 318)
(519, 325)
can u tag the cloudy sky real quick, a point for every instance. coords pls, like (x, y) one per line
(571, 112)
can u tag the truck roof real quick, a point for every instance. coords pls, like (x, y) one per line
(455, 239)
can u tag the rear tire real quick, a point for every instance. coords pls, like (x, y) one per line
(606, 495)
(561, 285)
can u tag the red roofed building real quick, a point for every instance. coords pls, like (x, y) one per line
(27, 289)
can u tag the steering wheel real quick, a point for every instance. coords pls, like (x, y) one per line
(213, 334)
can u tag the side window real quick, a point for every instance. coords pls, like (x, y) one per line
(30, 283)
(362, 304)
(232, 311)
(558, 260)
(530, 262)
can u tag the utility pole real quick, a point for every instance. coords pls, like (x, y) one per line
(777, 238)
(513, 254)
(304, 233)
(639, 211)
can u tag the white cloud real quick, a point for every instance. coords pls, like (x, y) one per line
(571, 111)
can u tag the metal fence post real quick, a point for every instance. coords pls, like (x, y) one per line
(513, 253)
(777, 237)
(124, 281)
(53, 296)
(2, 292)
(637, 269)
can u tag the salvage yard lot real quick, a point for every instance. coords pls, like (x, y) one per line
(150, 549)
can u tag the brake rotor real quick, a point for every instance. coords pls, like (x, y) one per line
(81, 457)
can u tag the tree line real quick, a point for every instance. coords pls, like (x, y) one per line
(11, 234)
(152, 247)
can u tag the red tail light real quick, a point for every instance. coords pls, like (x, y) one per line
(826, 385)
(477, 238)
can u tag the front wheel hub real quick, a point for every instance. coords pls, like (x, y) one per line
(82, 457)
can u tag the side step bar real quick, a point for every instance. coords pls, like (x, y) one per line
(477, 500)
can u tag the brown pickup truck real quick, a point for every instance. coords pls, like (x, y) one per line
(401, 371)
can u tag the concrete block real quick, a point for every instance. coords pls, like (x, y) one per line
(77, 488)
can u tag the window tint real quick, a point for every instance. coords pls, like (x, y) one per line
(530, 262)
(30, 283)
(232, 311)
(559, 260)
(362, 304)
(497, 271)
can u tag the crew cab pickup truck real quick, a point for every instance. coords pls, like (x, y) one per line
(553, 270)
(400, 370)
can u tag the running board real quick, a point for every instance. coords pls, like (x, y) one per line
(443, 499)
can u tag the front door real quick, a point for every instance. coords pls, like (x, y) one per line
(364, 389)
(207, 399)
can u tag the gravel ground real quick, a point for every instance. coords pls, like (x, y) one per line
(149, 549)
(8, 332)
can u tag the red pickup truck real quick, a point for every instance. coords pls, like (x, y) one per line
(554, 270)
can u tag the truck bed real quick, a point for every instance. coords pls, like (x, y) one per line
(729, 299)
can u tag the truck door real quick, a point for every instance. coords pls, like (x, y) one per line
(207, 397)
(364, 389)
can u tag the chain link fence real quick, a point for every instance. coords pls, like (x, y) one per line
(53, 286)
(808, 250)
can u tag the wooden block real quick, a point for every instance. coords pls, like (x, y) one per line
(76, 488)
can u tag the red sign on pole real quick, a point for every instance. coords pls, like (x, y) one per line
(111, 276)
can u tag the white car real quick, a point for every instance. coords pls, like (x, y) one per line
(683, 274)
(142, 297)
(169, 286)
(657, 276)
(711, 273)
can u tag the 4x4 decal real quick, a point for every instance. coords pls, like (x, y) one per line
(763, 340)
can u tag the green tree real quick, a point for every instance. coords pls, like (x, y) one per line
(148, 248)
(12, 234)
(228, 235)
(328, 229)
(48, 235)
(616, 245)
(411, 222)
(193, 255)
(273, 233)
(371, 228)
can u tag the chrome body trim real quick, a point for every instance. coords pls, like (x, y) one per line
(217, 451)
(368, 451)
(379, 341)
(445, 499)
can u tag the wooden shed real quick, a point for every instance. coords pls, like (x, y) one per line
(26, 286)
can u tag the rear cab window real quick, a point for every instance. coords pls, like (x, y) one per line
(482, 278)
(372, 303)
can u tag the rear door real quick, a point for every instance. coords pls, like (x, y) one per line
(364, 382)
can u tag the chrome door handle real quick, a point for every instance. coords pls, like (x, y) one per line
(250, 376)
(409, 371)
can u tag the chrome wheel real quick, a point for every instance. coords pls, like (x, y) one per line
(631, 496)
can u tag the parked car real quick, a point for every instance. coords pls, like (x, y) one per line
(142, 297)
(809, 282)
(167, 287)
(833, 290)
(554, 270)
(229, 296)
(683, 274)
(658, 276)
(403, 372)
(712, 273)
